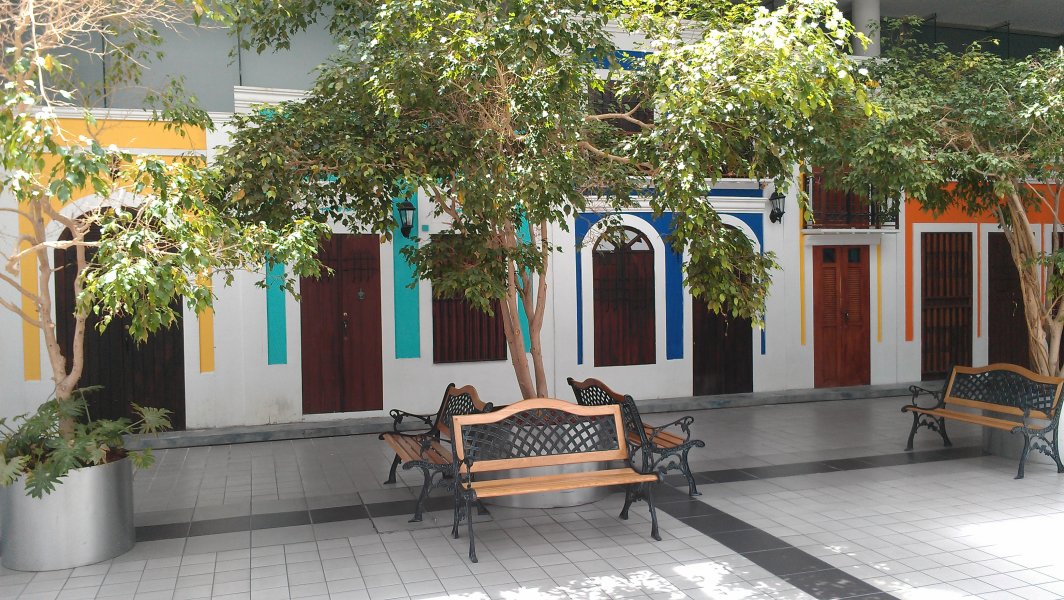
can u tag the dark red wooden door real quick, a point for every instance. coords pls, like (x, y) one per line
(722, 357)
(623, 270)
(841, 332)
(151, 374)
(341, 328)
(945, 302)
(1006, 326)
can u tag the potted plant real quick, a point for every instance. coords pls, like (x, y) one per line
(167, 235)
(93, 508)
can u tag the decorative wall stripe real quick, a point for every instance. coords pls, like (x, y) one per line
(205, 326)
(801, 275)
(978, 280)
(908, 277)
(276, 319)
(879, 293)
(406, 304)
(526, 236)
(206, 341)
(31, 336)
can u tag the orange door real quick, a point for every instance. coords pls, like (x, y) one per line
(841, 332)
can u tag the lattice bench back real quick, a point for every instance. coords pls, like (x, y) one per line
(536, 433)
(1012, 388)
(457, 401)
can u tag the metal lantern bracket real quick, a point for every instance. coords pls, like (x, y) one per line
(776, 200)
(406, 217)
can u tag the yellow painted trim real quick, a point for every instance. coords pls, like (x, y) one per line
(136, 134)
(801, 275)
(206, 339)
(31, 335)
(879, 294)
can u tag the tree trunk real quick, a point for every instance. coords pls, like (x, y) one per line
(1024, 255)
(515, 340)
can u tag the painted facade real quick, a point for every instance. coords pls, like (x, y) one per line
(243, 362)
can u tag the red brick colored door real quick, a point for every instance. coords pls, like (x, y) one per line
(841, 332)
(945, 302)
(623, 268)
(341, 328)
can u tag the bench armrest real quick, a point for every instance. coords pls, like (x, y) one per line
(398, 416)
(917, 391)
(426, 444)
(684, 423)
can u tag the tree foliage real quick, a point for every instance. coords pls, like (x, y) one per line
(166, 228)
(977, 132)
(485, 107)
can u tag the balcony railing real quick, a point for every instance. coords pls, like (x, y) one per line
(835, 209)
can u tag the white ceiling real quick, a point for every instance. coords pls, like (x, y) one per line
(1032, 16)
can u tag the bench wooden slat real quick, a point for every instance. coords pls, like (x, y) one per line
(409, 449)
(985, 421)
(664, 439)
(1008, 410)
(552, 483)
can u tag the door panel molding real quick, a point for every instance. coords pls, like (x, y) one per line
(340, 337)
(842, 334)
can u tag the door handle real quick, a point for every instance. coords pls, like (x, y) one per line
(846, 316)
(345, 322)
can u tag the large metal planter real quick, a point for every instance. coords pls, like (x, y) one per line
(87, 519)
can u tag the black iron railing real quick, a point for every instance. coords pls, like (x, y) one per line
(837, 209)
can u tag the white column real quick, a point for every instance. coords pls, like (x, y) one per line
(866, 20)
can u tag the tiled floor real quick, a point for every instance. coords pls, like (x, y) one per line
(799, 501)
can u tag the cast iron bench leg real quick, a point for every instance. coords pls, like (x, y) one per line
(425, 487)
(1056, 454)
(1023, 455)
(391, 473)
(457, 513)
(942, 432)
(469, 524)
(629, 494)
(653, 513)
(912, 432)
(686, 470)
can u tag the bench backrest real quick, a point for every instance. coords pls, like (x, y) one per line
(592, 392)
(536, 433)
(1012, 388)
(457, 401)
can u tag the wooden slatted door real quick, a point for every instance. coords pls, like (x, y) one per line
(463, 333)
(1006, 327)
(945, 302)
(341, 328)
(722, 356)
(841, 323)
(150, 374)
(623, 270)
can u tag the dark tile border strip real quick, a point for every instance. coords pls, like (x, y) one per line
(828, 465)
(797, 567)
(714, 520)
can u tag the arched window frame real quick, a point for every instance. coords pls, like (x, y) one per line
(587, 284)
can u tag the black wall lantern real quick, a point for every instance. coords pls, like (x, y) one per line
(406, 217)
(776, 200)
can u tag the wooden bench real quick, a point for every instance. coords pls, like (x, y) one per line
(1002, 389)
(540, 433)
(425, 449)
(663, 445)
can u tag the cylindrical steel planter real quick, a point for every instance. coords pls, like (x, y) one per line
(87, 519)
(549, 499)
